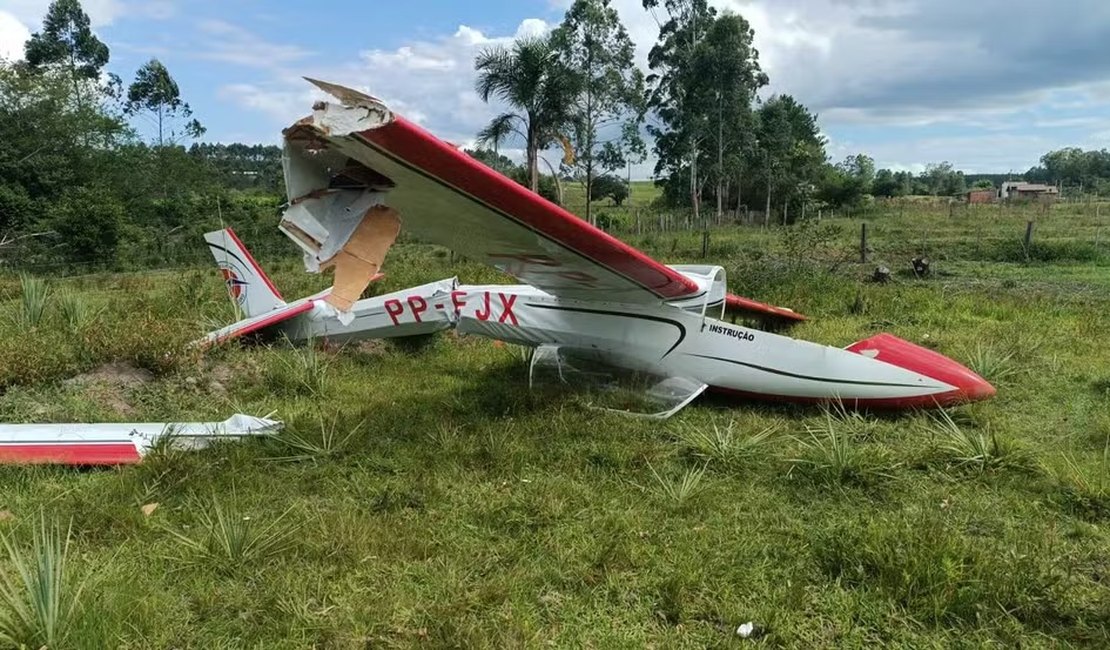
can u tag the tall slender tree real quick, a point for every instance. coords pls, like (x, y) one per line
(593, 43)
(154, 91)
(682, 124)
(531, 78)
(67, 41)
(791, 148)
(726, 78)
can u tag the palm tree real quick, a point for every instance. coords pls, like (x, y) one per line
(530, 78)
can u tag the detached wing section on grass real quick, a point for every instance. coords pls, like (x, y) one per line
(118, 443)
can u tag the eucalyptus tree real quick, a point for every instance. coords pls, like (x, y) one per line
(608, 107)
(154, 91)
(66, 41)
(681, 123)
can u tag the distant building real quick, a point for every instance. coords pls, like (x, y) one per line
(987, 195)
(1021, 191)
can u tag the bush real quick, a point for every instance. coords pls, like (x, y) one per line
(609, 187)
(16, 209)
(89, 221)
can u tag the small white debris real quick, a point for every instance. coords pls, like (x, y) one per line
(745, 630)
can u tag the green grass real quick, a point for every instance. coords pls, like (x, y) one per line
(423, 497)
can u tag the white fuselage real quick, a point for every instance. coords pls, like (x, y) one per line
(665, 340)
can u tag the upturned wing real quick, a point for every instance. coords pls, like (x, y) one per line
(358, 148)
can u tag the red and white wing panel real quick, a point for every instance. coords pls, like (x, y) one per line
(446, 197)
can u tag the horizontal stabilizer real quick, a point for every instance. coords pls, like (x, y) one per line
(754, 309)
(255, 324)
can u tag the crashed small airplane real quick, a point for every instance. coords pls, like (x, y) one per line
(597, 312)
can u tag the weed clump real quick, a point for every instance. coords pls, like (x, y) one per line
(1084, 488)
(41, 604)
(975, 450)
(227, 541)
(832, 454)
(725, 445)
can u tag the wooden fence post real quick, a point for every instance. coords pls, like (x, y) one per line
(1028, 238)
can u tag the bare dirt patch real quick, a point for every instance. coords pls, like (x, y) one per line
(116, 373)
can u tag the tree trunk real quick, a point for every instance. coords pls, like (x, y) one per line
(533, 165)
(694, 184)
(589, 193)
(589, 149)
(720, 156)
(767, 212)
(739, 189)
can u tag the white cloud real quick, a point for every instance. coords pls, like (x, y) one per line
(13, 34)
(232, 44)
(899, 71)
(430, 82)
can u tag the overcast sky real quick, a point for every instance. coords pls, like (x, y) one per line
(988, 85)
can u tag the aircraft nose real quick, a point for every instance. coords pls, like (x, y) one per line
(969, 386)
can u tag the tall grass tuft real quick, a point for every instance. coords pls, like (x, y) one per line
(39, 604)
(992, 364)
(226, 540)
(680, 493)
(725, 445)
(1085, 487)
(308, 367)
(76, 313)
(977, 450)
(34, 295)
(331, 442)
(832, 455)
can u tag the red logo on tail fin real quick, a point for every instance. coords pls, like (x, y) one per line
(236, 286)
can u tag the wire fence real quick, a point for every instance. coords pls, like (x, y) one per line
(900, 226)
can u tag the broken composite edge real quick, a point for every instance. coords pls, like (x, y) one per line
(118, 443)
(362, 230)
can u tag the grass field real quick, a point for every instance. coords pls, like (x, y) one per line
(423, 497)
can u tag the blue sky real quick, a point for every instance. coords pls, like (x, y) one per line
(988, 85)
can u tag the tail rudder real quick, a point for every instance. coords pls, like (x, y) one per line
(247, 283)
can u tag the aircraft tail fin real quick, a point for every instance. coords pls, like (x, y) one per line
(247, 283)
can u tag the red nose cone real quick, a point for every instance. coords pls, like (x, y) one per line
(888, 348)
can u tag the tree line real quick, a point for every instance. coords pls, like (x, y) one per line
(718, 145)
(80, 183)
(77, 181)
